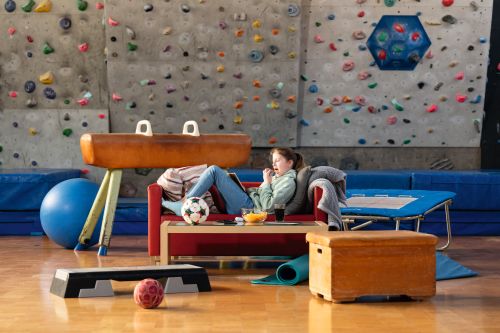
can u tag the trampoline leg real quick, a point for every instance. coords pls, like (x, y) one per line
(398, 222)
(417, 227)
(109, 211)
(448, 228)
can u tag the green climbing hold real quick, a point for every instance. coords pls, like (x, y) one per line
(346, 53)
(318, 24)
(67, 132)
(372, 85)
(397, 49)
(47, 49)
(28, 7)
(66, 101)
(1, 148)
(396, 105)
(389, 3)
(347, 121)
(407, 141)
(131, 46)
(303, 77)
(382, 37)
(144, 82)
(82, 5)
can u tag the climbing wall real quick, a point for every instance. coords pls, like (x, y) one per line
(230, 65)
(349, 101)
(52, 81)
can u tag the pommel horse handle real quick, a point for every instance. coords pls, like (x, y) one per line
(144, 149)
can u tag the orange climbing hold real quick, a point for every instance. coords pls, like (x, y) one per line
(346, 99)
(291, 99)
(275, 32)
(256, 98)
(328, 109)
(272, 140)
(256, 84)
(238, 105)
(239, 32)
(221, 54)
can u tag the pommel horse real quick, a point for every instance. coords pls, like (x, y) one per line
(117, 151)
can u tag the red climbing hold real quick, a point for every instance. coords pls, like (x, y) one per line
(382, 55)
(29, 39)
(432, 108)
(447, 3)
(415, 36)
(398, 27)
(460, 98)
(332, 47)
(361, 13)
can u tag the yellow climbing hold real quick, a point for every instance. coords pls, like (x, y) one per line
(274, 105)
(292, 55)
(238, 119)
(32, 131)
(44, 7)
(256, 24)
(220, 69)
(258, 38)
(292, 28)
(46, 78)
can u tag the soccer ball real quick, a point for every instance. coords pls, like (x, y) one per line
(195, 210)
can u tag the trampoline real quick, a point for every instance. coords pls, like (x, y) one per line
(395, 205)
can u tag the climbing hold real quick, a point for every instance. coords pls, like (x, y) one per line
(293, 10)
(84, 47)
(12, 94)
(336, 100)
(429, 55)
(460, 98)
(358, 34)
(332, 47)
(256, 98)
(453, 63)
(221, 54)
(221, 84)
(470, 48)
(112, 22)
(11, 31)
(44, 7)
(362, 47)
(239, 32)
(67, 132)
(99, 5)
(346, 99)
(482, 40)
(303, 122)
(67, 101)
(131, 33)
(10, 6)
(258, 38)
(476, 100)
(280, 85)
(238, 119)
(256, 83)
(319, 101)
(459, 76)
(304, 78)
(474, 5)
(449, 19)
(391, 120)
(432, 108)
(477, 125)
(28, 7)
(389, 3)
(348, 65)
(396, 105)
(362, 141)
(447, 3)
(275, 93)
(185, 8)
(131, 46)
(222, 25)
(331, 17)
(363, 75)
(148, 8)
(317, 24)
(65, 23)
(360, 100)
(272, 140)
(328, 109)
(407, 97)
(256, 56)
(421, 85)
(313, 88)
(256, 24)
(372, 85)
(82, 5)
(291, 29)
(29, 86)
(66, 117)
(32, 131)
(47, 49)
(372, 109)
(318, 39)
(274, 105)
(346, 121)
(238, 75)
(361, 13)
(49, 93)
(275, 32)
(292, 55)
(170, 88)
(130, 105)
(46, 78)
(31, 102)
(204, 76)
(101, 116)
(346, 54)
(382, 55)
(291, 99)
(273, 49)
(238, 105)
(167, 48)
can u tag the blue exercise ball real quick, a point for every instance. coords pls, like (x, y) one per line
(65, 209)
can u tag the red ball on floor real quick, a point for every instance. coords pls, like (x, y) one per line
(148, 293)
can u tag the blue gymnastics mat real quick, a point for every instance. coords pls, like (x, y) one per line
(297, 270)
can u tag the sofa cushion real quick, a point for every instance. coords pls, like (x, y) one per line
(299, 200)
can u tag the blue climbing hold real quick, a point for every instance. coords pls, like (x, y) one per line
(313, 89)
(29, 86)
(49, 93)
(303, 122)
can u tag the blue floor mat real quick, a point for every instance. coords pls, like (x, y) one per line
(447, 268)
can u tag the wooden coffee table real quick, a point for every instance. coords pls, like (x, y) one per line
(215, 238)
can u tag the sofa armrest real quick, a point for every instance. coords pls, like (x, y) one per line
(154, 218)
(319, 215)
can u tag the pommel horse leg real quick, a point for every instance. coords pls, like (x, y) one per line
(107, 198)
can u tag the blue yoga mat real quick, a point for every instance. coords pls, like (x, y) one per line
(297, 270)
(289, 273)
(447, 268)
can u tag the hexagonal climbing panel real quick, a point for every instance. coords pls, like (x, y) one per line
(398, 42)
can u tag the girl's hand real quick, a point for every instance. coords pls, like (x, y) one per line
(267, 174)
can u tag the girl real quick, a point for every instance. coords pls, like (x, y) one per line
(277, 188)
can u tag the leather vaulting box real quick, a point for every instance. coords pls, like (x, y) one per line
(348, 264)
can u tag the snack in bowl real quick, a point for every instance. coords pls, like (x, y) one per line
(252, 215)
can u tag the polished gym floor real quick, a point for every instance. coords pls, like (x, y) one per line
(26, 305)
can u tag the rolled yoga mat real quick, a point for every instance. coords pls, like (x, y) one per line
(288, 274)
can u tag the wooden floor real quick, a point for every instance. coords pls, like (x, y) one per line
(234, 305)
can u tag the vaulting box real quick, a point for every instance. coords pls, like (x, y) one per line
(348, 264)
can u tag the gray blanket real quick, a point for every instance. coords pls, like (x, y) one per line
(332, 182)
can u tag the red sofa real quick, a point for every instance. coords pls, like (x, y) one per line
(233, 244)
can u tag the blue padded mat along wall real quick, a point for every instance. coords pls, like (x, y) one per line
(24, 189)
